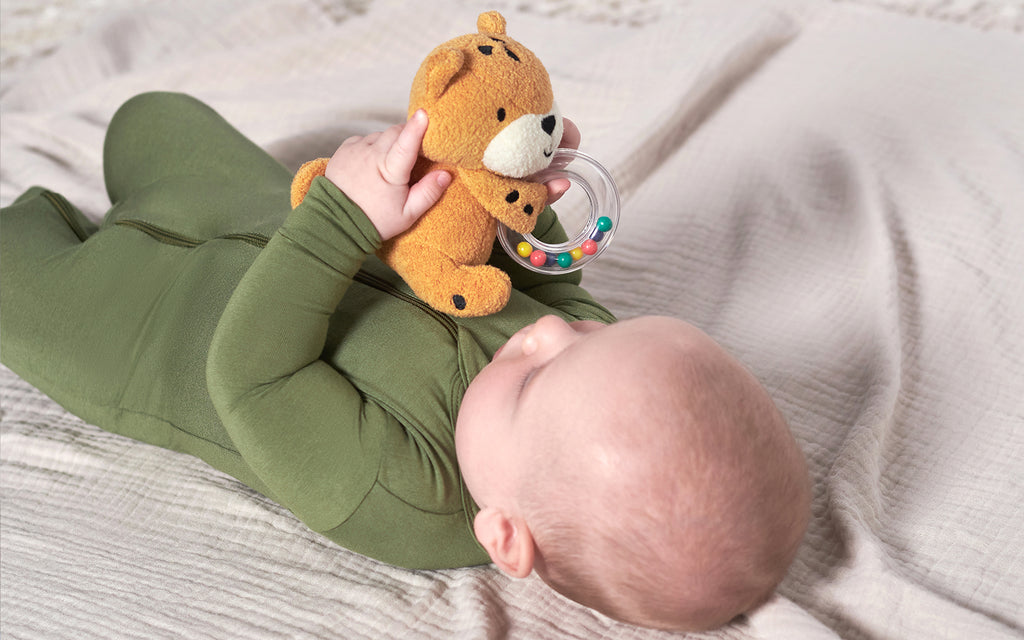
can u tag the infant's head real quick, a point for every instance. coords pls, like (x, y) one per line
(637, 467)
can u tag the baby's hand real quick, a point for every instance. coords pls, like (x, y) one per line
(374, 171)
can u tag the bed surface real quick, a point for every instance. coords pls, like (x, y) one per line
(833, 190)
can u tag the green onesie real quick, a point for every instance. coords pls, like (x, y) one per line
(205, 316)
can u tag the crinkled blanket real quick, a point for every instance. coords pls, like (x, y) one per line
(835, 191)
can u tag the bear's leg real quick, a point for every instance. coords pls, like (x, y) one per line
(304, 179)
(459, 290)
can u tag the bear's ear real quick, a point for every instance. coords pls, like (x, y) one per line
(491, 23)
(444, 63)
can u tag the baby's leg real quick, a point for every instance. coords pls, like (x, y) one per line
(186, 169)
(115, 323)
(58, 293)
(80, 305)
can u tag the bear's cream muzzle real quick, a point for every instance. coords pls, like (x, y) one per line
(526, 145)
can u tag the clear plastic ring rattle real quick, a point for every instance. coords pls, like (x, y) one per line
(588, 242)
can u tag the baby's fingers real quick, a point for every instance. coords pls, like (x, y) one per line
(425, 193)
(570, 140)
(557, 188)
(401, 156)
(570, 135)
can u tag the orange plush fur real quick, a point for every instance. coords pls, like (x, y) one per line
(492, 122)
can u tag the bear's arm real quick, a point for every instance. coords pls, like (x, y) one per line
(514, 203)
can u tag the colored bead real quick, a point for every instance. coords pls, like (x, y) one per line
(552, 259)
(576, 253)
(524, 249)
(589, 247)
(538, 258)
(597, 236)
(564, 260)
(604, 223)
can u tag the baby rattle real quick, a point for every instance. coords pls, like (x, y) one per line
(494, 126)
(591, 239)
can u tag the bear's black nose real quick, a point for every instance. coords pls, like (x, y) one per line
(548, 124)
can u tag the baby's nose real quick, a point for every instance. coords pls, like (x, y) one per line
(549, 331)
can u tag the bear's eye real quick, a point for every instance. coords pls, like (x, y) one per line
(486, 49)
(501, 115)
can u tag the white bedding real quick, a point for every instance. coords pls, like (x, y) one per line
(834, 191)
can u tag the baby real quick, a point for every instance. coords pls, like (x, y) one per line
(635, 466)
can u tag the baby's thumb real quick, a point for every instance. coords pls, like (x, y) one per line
(425, 193)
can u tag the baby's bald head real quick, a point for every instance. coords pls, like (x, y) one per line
(657, 481)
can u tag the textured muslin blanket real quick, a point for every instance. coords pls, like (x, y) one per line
(834, 191)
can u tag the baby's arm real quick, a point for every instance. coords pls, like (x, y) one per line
(300, 425)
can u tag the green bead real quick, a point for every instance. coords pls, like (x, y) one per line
(604, 223)
(564, 260)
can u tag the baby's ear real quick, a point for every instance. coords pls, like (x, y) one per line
(507, 540)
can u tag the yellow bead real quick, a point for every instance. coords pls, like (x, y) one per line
(524, 249)
(576, 253)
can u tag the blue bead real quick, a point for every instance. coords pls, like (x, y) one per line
(552, 259)
(597, 236)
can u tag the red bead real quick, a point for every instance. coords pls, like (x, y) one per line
(538, 258)
(589, 247)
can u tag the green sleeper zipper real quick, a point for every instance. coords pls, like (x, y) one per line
(66, 212)
(370, 280)
(260, 241)
(178, 240)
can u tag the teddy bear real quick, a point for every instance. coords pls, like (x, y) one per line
(493, 123)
